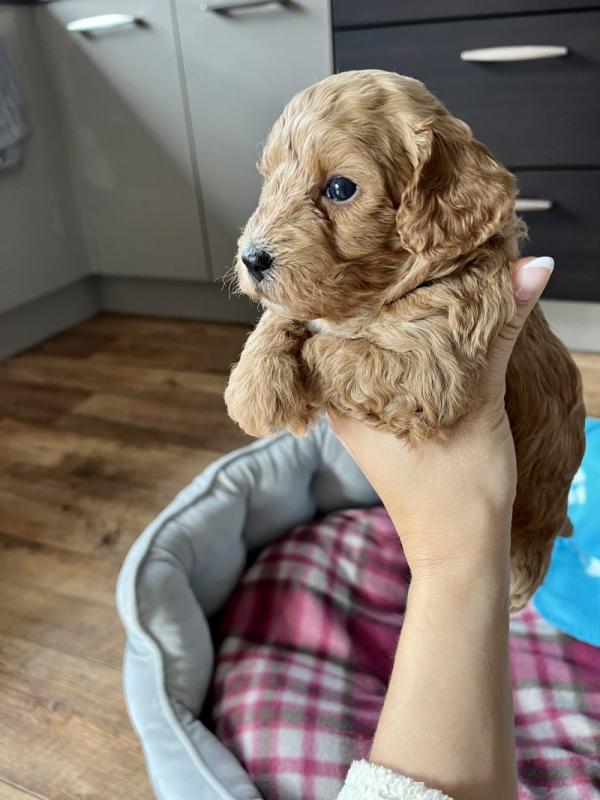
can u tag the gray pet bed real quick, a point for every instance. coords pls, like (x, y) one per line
(181, 571)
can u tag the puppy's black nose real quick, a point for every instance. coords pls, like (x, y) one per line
(257, 262)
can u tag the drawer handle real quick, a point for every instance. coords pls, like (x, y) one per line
(523, 204)
(527, 52)
(226, 8)
(104, 22)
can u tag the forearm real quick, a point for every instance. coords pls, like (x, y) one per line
(447, 718)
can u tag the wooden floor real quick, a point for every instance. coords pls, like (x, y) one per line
(99, 428)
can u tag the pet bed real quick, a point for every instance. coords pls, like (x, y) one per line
(184, 568)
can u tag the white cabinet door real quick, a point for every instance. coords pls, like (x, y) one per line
(241, 68)
(40, 244)
(125, 123)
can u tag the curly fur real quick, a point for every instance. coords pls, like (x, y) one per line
(383, 308)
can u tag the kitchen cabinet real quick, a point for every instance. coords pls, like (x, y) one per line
(125, 125)
(555, 100)
(241, 65)
(529, 87)
(40, 246)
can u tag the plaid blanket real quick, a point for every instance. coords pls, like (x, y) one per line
(306, 648)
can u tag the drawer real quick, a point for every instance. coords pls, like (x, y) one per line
(530, 113)
(568, 231)
(357, 13)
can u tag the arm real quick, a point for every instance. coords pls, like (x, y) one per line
(454, 729)
(447, 717)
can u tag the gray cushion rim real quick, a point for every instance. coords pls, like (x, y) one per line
(127, 595)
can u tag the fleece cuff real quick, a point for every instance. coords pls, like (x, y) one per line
(366, 781)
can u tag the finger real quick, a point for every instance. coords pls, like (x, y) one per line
(340, 426)
(530, 277)
(343, 427)
(331, 419)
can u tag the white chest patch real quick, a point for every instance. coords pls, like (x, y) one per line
(313, 325)
(274, 307)
(316, 325)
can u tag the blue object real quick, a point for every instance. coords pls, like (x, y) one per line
(569, 598)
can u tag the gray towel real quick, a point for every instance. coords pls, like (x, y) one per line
(14, 123)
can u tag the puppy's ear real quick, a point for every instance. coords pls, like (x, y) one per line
(457, 196)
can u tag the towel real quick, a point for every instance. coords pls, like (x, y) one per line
(14, 122)
(569, 598)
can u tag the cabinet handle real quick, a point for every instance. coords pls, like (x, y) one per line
(226, 8)
(104, 22)
(527, 52)
(523, 204)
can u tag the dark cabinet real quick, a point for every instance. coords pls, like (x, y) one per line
(527, 81)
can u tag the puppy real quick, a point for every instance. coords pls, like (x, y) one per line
(380, 252)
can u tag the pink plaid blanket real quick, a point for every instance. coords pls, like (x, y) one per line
(307, 645)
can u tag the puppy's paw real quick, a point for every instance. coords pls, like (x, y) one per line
(266, 398)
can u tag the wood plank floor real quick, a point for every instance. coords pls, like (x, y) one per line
(99, 428)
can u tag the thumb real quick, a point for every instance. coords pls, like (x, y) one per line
(530, 277)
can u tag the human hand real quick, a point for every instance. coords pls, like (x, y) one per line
(451, 498)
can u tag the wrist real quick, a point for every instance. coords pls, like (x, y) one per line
(463, 593)
(472, 574)
(468, 548)
(476, 530)
(480, 515)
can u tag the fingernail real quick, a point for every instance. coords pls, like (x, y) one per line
(532, 278)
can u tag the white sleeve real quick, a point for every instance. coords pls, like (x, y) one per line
(366, 781)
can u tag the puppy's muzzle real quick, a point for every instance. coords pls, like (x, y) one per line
(257, 262)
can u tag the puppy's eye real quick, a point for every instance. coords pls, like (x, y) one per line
(340, 189)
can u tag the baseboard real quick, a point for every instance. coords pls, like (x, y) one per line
(577, 324)
(33, 322)
(165, 298)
